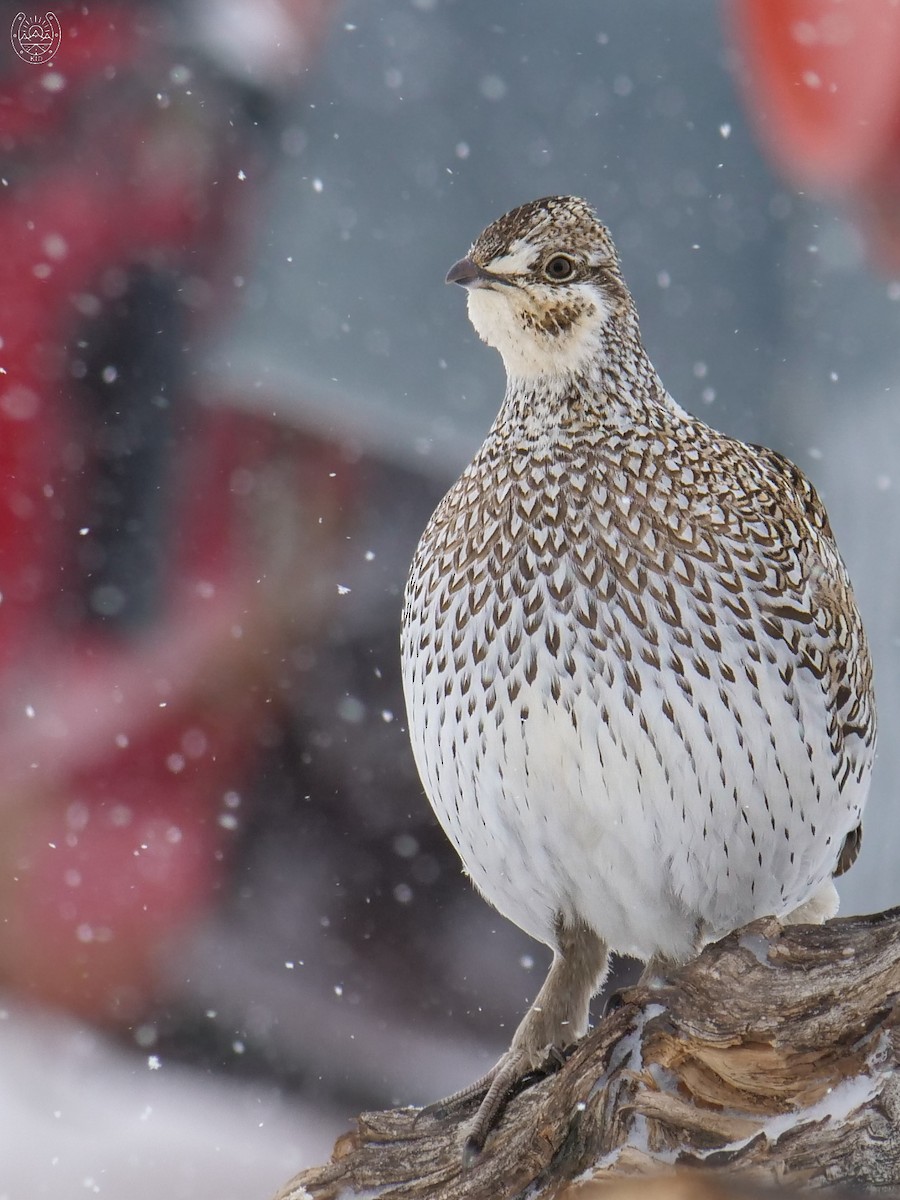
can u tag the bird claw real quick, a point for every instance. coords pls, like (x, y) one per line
(440, 1109)
(512, 1074)
(511, 1069)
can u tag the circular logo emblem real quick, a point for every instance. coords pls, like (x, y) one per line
(35, 39)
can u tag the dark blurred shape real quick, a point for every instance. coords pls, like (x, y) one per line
(128, 430)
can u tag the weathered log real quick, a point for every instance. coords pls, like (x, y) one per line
(772, 1057)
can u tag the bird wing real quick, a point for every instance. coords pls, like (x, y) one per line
(833, 646)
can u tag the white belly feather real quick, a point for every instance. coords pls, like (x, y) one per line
(659, 820)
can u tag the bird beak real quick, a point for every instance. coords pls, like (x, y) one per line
(468, 274)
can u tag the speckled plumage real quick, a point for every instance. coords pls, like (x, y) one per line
(638, 688)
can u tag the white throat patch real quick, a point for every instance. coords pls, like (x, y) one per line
(518, 321)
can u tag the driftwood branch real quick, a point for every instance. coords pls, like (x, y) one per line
(773, 1055)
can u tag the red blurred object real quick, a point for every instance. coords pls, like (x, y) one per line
(122, 775)
(823, 81)
(122, 751)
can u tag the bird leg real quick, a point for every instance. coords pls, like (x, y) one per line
(657, 970)
(557, 1018)
(819, 908)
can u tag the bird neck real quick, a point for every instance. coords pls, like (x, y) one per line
(616, 383)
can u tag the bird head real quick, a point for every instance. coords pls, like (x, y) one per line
(544, 287)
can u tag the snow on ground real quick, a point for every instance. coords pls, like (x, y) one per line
(79, 1116)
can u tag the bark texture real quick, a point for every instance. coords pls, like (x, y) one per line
(771, 1058)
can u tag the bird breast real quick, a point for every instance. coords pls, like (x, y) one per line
(604, 695)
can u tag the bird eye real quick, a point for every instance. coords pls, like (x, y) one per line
(559, 268)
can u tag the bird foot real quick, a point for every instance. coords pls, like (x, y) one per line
(548, 1031)
(656, 973)
(493, 1089)
(511, 1074)
(462, 1099)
